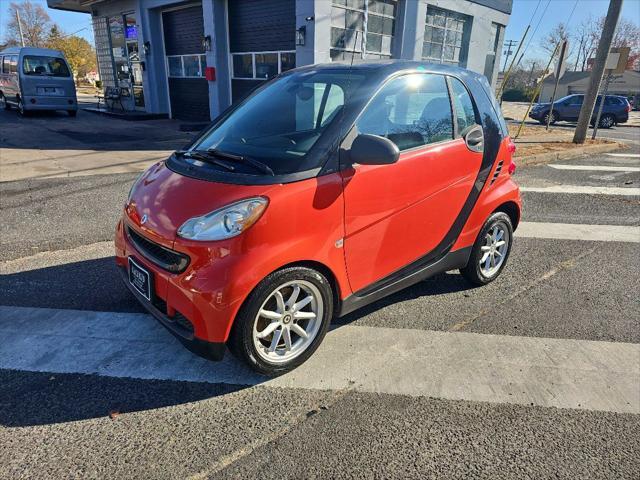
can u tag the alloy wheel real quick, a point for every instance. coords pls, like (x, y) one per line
(494, 250)
(288, 321)
(606, 121)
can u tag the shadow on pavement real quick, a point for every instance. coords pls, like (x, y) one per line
(40, 398)
(36, 398)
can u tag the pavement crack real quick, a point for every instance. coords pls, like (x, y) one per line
(564, 265)
(299, 419)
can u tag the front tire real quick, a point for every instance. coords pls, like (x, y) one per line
(490, 251)
(554, 118)
(283, 321)
(21, 111)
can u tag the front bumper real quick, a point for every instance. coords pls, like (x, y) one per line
(210, 350)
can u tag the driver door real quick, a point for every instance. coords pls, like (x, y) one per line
(396, 214)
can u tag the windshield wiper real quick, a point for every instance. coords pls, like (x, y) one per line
(203, 156)
(240, 159)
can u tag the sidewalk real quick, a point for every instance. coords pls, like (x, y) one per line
(55, 145)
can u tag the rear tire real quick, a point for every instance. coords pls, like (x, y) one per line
(607, 121)
(488, 255)
(283, 321)
(3, 102)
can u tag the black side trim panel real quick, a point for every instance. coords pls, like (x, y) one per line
(404, 278)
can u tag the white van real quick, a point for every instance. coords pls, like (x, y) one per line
(36, 79)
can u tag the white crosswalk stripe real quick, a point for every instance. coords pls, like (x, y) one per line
(595, 168)
(462, 366)
(584, 189)
(624, 155)
(572, 231)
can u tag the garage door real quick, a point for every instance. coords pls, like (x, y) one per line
(262, 42)
(188, 89)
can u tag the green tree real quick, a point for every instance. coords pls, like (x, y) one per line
(79, 53)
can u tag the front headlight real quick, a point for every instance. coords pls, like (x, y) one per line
(226, 222)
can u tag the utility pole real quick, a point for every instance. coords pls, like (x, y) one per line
(508, 52)
(20, 27)
(604, 46)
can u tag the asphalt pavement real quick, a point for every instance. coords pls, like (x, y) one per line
(536, 375)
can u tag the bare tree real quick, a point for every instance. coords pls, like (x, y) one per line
(586, 39)
(554, 36)
(36, 24)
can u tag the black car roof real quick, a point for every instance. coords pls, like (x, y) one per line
(389, 67)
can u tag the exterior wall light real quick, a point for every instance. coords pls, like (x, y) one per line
(301, 34)
(206, 43)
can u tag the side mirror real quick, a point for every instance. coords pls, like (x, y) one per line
(474, 138)
(369, 149)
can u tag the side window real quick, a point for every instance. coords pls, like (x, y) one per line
(335, 100)
(1, 64)
(14, 64)
(465, 113)
(411, 111)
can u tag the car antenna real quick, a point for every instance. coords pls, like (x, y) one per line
(353, 54)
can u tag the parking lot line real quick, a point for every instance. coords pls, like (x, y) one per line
(583, 189)
(596, 168)
(548, 372)
(573, 231)
(624, 155)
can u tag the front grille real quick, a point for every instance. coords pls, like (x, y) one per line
(497, 172)
(163, 257)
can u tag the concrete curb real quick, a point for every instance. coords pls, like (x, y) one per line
(548, 157)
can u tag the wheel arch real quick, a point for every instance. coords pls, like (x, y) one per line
(326, 271)
(513, 210)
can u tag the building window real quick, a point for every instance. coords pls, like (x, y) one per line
(443, 35)
(371, 21)
(261, 65)
(186, 66)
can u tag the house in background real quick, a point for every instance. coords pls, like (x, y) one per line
(190, 60)
(627, 84)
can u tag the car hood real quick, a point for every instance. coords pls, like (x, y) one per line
(541, 105)
(162, 200)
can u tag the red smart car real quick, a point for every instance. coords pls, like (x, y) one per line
(326, 189)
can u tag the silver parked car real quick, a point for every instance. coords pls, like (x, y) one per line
(36, 79)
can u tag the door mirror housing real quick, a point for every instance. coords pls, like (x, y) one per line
(369, 149)
(474, 138)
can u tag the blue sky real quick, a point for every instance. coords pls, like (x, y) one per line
(69, 21)
(557, 11)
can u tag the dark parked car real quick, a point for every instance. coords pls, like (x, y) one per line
(616, 110)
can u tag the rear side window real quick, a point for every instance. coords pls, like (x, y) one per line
(411, 111)
(1, 64)
(50, 66)
(13, 64)
(465, 113)
(612, 101)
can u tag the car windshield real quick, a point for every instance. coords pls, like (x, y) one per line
(280, 123)
(39, 65)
